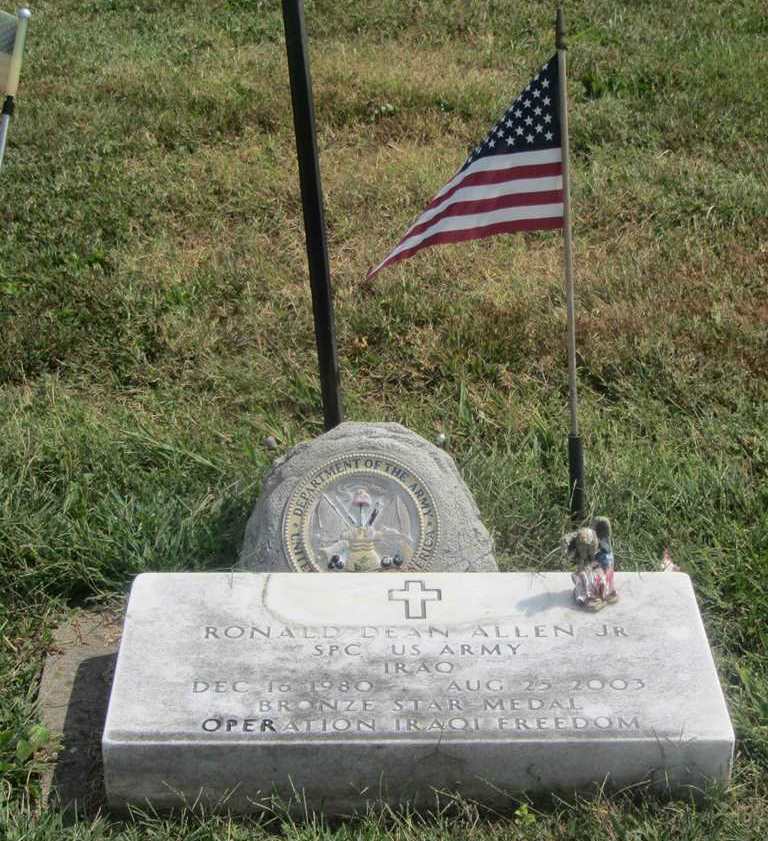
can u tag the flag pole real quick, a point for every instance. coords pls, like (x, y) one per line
(12, 85)
(577, 489)
(5, 122)
(312, 203)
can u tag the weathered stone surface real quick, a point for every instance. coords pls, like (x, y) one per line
(316, 503)
(383, 687)
(72, 704)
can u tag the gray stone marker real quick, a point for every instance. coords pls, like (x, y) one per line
(363, 495)
(342, 691)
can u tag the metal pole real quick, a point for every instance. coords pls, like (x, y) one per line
(577, 489)
(5, 121)
(312, 202)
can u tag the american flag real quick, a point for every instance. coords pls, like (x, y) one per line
(511, 181)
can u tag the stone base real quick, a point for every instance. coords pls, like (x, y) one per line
(337, 692)
(419, 509)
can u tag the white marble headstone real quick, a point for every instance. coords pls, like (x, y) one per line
(344, 690)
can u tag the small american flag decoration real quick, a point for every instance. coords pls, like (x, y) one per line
(511, 181)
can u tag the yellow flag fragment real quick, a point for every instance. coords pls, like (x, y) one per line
(13, 32)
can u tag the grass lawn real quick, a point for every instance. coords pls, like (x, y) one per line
(155, 324)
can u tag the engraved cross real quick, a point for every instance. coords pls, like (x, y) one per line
(415, 595)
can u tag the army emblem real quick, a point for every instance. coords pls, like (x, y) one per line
(360, 513)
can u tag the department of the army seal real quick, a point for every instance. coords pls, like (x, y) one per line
(361, 512)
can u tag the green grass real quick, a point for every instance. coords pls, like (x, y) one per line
(155, 323)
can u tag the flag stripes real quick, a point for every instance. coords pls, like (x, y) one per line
(551, 219)
(504, 194)
(549, 180)
(473, 210)
(499, 176)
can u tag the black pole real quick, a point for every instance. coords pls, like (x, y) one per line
(312, 202)
(577, 487)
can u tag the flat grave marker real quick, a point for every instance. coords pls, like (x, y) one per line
(345, 690)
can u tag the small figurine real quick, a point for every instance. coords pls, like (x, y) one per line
(604, 557)
(590, 549)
